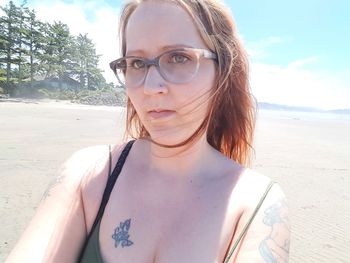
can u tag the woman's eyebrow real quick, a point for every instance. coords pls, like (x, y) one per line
(163, 48)
(136, 51)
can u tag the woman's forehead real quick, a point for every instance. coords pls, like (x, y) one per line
(155, 25)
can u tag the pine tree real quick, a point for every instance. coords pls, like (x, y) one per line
(29, 47)
(33, 41)
(10, 25)
(90, 76)
(58, 51)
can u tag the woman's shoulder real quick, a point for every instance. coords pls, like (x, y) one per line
(253, 185)
(76, 170)
(89, 163)
(93, 164)
(265, 213)
(64, 204)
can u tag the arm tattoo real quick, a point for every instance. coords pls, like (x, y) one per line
(275, 247)
(57, 180)
(121, 235)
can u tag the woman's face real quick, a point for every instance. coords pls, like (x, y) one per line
(170, 112)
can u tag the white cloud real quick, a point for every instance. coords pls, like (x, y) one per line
(296, 86)
(258, 49)
(302, 62)
(266, 42)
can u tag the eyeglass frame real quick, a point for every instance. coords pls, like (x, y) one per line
(155, 62)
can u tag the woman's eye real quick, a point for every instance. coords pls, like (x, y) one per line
(121, 65)
(178, 58)
(138, 64)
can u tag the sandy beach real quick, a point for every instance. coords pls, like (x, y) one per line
(308, 155)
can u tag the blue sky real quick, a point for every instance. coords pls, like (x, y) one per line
(299, 50)
(309, 28)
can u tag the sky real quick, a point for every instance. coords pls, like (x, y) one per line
(298, 50)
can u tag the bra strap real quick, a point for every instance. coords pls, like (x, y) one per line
(112, 178)
(110, 160)
(244, 231)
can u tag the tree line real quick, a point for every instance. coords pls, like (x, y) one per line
(32, 49)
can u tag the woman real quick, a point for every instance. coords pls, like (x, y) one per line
(183, 192)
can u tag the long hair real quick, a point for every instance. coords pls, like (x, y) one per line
(230, 120)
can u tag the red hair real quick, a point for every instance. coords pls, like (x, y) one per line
(230, 121)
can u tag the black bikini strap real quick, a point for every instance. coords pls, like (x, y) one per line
(110, 160)
(112, 178)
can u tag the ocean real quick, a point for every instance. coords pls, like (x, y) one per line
(303, 116)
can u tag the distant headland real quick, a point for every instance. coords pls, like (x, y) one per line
(271, 106)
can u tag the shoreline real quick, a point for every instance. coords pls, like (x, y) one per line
(52, 103)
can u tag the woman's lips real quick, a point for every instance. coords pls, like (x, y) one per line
(160, 114)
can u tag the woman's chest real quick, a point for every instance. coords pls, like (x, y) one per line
(168, 223)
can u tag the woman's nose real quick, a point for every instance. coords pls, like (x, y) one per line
(154, 82)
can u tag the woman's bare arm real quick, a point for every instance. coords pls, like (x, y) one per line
(58, 230)
(268, 237)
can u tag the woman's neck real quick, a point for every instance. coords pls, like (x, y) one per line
(189, 160)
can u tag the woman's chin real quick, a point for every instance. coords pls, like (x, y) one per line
(168, 137)
(172, 133)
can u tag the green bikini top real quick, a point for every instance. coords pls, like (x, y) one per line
(91, 250)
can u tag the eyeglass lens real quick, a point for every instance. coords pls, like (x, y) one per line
(176, 67)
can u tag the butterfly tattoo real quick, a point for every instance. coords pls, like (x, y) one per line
(121, 235)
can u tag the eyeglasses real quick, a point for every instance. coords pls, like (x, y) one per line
(177, 66)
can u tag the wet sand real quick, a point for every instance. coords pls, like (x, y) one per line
(309, 157)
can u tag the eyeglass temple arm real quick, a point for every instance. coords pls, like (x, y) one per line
(209, 54)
